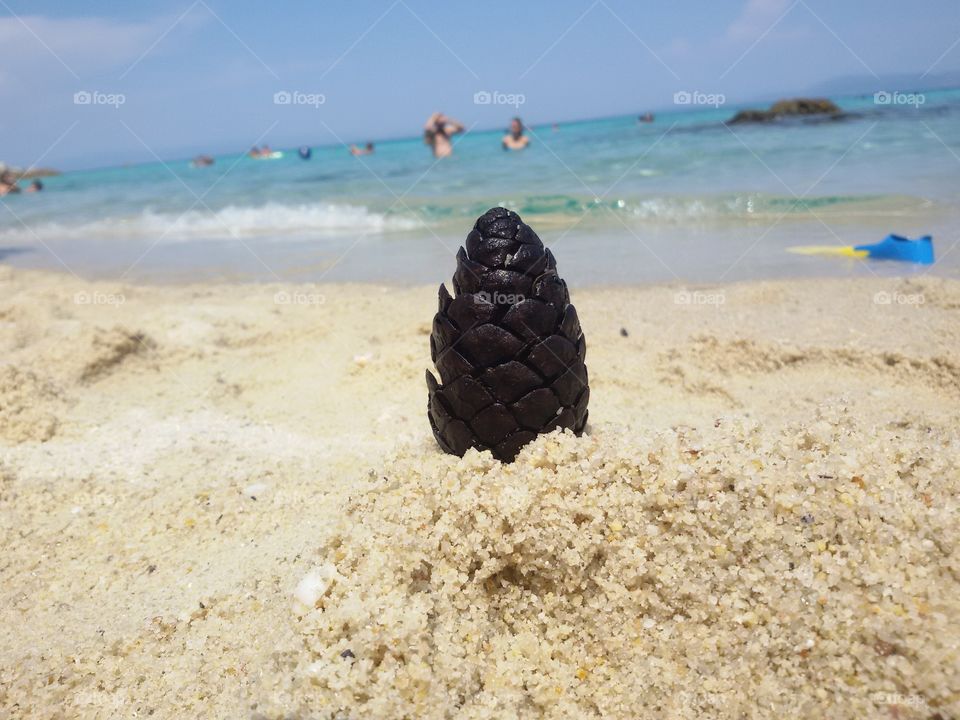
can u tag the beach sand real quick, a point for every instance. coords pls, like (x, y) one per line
(223, 501)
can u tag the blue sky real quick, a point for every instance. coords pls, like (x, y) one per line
(201, 76)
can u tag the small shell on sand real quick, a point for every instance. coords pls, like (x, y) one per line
(314, 584)
(255, 489)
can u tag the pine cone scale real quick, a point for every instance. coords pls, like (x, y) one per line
(511, 381)
(488, 344)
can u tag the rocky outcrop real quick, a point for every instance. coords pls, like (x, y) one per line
(38, 173)
(820, 107)
(29, 173)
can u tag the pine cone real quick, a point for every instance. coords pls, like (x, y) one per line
(508, 346)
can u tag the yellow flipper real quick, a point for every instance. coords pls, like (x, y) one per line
(842, 251)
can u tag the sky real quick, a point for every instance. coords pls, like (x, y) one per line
(171, 78)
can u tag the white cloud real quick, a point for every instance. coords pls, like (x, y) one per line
(79, 45)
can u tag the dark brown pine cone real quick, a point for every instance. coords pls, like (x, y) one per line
(508, 345)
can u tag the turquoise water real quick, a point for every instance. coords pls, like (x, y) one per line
(690, 191)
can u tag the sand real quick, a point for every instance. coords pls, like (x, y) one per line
(223, 501)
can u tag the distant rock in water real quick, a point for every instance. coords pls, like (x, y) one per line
(29, 173)
(825, 109)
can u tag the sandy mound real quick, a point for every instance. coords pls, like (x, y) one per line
(25, 401)
(749, 356)
(32, 403)
(109, 348)
(686, 573)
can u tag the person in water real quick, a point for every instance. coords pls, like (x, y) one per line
(8, 183)
(35, 186)
(437, 133)
(365, 150)
(515, 139)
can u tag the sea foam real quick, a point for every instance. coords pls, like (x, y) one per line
(232, 221)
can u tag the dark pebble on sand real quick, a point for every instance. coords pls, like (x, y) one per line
(885, 649)
(807, 519)
(624, 333)
(347, 654)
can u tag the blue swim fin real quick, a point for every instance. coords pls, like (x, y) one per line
(895, 247)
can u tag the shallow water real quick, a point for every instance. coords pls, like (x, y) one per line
(683, 198)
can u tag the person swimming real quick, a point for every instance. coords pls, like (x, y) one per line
(305, 152)
(515, 139)
(35, 186)
(365, 150)
(437, 133)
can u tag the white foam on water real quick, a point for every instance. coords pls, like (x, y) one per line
(270, 220)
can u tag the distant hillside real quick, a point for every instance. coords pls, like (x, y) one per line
(866, 84)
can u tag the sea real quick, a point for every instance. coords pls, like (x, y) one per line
(685, 198)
